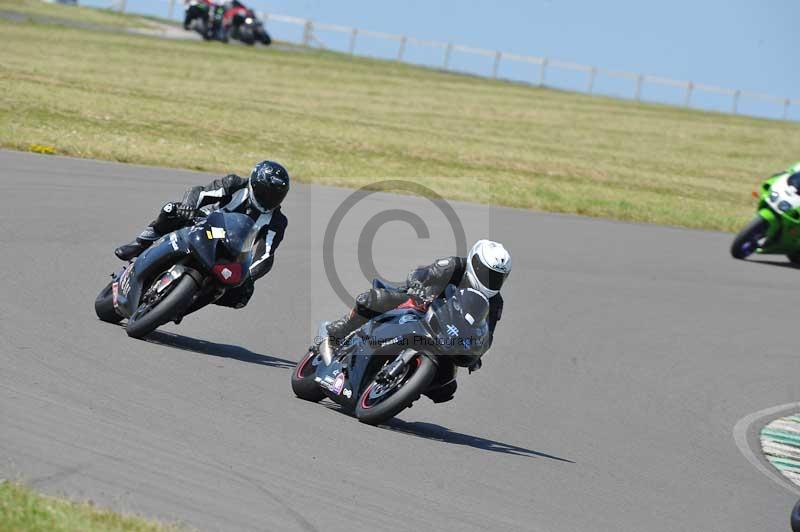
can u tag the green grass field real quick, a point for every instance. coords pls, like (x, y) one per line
(347, 121)
(23, 510)
(56, 12)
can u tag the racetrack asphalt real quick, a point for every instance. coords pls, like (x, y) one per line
(625, 357)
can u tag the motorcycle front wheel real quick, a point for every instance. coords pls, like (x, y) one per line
(747, 241)
(162, 308)
(381, 401)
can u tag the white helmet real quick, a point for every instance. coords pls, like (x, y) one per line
(488, 265)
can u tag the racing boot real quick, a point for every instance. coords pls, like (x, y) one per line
(339, 330)
(134, 249)
(141, 243)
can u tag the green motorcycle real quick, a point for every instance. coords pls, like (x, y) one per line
(776, 228)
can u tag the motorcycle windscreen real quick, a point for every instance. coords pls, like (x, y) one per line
(234, 233)
(459, 322)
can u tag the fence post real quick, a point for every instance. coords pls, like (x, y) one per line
(353, 36)
(736, 95)
(639, 81)
(590, 84)
(308, 33)
(542, 72)
(447, 51)
(689, 88)
(171, 8)
(497, 57)
(402, 49)
(786, 104)
(122, 4)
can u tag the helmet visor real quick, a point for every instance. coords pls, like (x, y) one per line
(491, 279)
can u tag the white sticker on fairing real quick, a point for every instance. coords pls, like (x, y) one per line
(338, 384)
(217, 232)
(347, 392)
(469, 318)
(443, 262)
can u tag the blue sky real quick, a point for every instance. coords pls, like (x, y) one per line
(737, 44)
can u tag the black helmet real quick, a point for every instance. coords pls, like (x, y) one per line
(269, 184)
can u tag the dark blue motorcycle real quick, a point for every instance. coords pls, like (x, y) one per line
(180, 273)
(383, 367)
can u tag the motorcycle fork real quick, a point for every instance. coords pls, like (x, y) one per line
(394, 368)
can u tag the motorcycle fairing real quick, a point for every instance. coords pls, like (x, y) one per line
(783, 233)
(221, 229)
(130, 280)
(367, 350)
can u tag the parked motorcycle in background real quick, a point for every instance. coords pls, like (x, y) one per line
(776, 228)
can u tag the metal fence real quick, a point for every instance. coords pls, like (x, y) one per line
(536, 71)
(312, 34)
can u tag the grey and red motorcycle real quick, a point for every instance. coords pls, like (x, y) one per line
(383, 367)
(180, 273)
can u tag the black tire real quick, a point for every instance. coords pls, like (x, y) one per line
(303, 384)
(247, 37)
(178, 298)
(746, 241)
(104, 306)
(266, 40)
(403, 395)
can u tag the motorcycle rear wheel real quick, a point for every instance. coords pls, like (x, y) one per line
(104, 306)
(746, 242)
(167, 308)
(401, 394)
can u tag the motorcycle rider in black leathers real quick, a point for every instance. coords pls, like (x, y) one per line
(484, 269)
(258, 196)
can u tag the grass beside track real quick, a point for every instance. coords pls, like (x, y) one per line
(348, 121)
(57, 12)
(22, 510)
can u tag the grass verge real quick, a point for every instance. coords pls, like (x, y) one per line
(346, 121)
(22, 510)
(105, 18)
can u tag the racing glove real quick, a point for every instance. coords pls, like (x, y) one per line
(184, 212)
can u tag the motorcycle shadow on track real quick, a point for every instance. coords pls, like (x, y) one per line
(431, 431)
(205, 347)
(781, 263)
